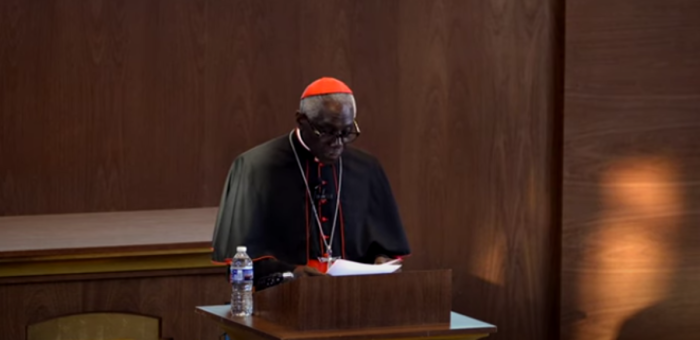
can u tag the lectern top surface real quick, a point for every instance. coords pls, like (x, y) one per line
(459, 321)
(257, 327)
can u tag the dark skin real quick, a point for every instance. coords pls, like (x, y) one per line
(335, 117)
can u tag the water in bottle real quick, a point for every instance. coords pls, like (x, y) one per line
(242, 283)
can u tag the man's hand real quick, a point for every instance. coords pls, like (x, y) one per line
(300, 271)
(381, 259)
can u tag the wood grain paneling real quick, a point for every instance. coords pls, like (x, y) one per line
(124, 105)
(631, 243)
(366, 301)
(475, 118)
(171, 298)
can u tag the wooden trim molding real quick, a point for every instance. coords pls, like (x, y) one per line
(107, 262)
(238, 333)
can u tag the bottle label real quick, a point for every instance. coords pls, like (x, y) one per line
(242, 275)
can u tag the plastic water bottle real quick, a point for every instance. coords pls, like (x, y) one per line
(241, 283)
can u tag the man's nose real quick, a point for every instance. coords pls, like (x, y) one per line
(337, 141)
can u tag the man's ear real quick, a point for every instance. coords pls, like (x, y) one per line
(298, 116)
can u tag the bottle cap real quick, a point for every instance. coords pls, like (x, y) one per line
(241, 249)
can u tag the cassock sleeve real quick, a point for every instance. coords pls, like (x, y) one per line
(387, 236)
(240, 222)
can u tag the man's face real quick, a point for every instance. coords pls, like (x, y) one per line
(327, 133)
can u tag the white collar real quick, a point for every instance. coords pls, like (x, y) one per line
(301, 140)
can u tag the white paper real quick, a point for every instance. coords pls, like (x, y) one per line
(347, 268)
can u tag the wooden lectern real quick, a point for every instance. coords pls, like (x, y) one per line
(407, 305)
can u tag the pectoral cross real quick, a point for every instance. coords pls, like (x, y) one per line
(328, 259)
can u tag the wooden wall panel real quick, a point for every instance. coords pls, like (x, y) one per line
(123, 105)
(631, 243)
(170, 298)
(476, 114)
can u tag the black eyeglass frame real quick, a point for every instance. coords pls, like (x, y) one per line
(349, 138)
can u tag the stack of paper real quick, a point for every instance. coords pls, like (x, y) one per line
(347, 268)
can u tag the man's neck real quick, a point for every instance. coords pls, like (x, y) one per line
(301, 141)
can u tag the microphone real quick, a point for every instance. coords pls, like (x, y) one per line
(273, 280)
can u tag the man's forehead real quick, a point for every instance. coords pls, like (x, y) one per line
(336, 110)
(335, 120)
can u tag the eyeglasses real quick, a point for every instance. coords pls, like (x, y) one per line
(347, 136)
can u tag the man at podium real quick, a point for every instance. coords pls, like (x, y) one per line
(307, 198)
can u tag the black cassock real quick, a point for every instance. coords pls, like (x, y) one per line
(265, 207)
